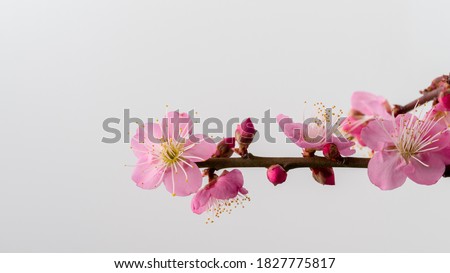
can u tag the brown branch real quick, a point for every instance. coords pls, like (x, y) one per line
(288, 163)
(426, 97)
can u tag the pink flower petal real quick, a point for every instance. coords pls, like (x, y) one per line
(426, 175)
(200, 201)
(199, 148)
(376, 134)
(439, 111)
(344, 146)
(146, 175)
(294, 131)
(282, 119)
(443, 139)
(186, 183)
(444, 155)
(243, 191)
(354, 127)
(228, 185)
(386, 170)
(150, 133)
(369, 104)
(177, 125)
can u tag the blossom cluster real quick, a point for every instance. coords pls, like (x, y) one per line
(402, 145)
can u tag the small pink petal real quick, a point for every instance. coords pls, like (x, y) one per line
(228, 185)
(344, 146)
(386, 170)
(370, 104)
(376, 134)
(444, 155)
(426, 175)
(150, 133)
(439, 111)
(283, 119)
(200, 201)
(185, 184)
(443, 141)
(177, 125)
(243, 191)
(146, 175)
(294, 131)
(199, 148)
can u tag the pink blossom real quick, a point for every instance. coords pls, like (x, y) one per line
(365, 107)
(313, 136)
(221, 194)
(167, 154)
(407, 147)
(440, 112)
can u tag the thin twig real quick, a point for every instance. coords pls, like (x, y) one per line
(287, 162)
(426, 97)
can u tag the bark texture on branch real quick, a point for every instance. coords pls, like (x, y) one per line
(287, 162)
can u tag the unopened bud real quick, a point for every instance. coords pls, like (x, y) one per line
(225, 147)
(245, 132)
(444, 99)
(324, 175)
(276, 174)
(331, 151)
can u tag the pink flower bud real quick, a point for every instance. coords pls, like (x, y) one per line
(276, 174)
(225, 147)
(324, 176)
(331, 151)
(444, 99)
(244, 134)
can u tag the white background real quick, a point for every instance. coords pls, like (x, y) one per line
(65, 66)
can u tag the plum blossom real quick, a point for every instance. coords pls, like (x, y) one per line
(221, 194)
(440, 112)
(407, 147)
(365, 107)
(167, 153)
(314, 135)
